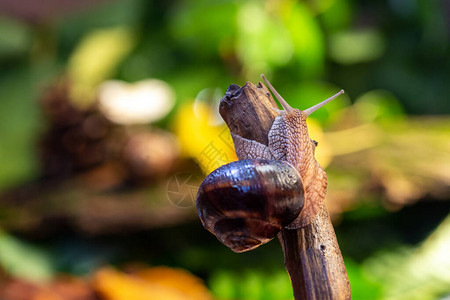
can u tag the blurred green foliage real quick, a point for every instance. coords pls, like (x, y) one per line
(19, 127)
(24, 260)
(391, 57)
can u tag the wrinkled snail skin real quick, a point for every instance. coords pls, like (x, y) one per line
(247, 202)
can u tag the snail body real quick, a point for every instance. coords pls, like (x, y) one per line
(247, 202)
(273, 185)
(289, 141)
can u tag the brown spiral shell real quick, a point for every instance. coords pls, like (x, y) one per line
(246, 203)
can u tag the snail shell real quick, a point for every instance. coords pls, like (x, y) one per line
(246, 203)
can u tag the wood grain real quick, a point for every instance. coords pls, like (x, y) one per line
(247, 111)
(312, 255)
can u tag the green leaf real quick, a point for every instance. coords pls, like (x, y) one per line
(19, 128)
(263, 41)
(356, 46)
(23, 260)
(223, 285)
(378, 105)
(307, 37)
(15, 37)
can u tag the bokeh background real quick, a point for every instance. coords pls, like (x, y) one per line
(108, 124)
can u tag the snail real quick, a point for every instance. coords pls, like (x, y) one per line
(247, 202)
(234, 217)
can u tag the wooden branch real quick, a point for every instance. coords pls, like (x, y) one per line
(314, 260)
(312, 255)
(247, 111)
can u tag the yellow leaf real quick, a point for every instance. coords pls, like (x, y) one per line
(179, 279)
(94, 60)
(114, 285)
(210, 145)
